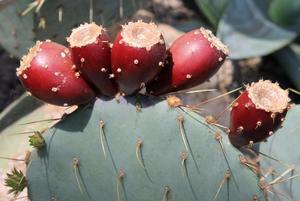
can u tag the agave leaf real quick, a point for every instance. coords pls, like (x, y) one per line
(250, 34)
(289, 59)
(16, 32)
(212, 9)
(286, 13)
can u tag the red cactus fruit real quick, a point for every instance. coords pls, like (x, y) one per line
(192, 59)
(47, 72)
(138, 54)
(257, 113)
(90, 48)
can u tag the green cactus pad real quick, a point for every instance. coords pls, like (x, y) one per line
(56, 18)
(16, 32)
(113, 151)
(62, 15)
(284, 147)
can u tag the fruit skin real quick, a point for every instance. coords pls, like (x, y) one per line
(134, 67)
(192, 60)
(93, 60)
(247, 123)
(51, 171)
(51, 78)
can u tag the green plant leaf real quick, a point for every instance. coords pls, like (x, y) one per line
(250, 34)
(61, 15)
(16, 32)
(284, 147)
(55, 20)
(289, 59)
(286, 13)
(212, 9)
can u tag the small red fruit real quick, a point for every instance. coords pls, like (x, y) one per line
(192, 59)
(138, 54)
(90, 48)
(47, 72)
(257, 113)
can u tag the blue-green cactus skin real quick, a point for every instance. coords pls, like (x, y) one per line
(53, 174)
(284, 147)
(16, 32)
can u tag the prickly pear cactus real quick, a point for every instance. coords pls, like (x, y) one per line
(61, 16)
(282, 170)
(138, 150)
(21, 25)
(16, 34)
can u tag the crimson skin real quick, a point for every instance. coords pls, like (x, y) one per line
(192, 59)
(134, 67)
(248, 124)
(92, 59)
(49, 75)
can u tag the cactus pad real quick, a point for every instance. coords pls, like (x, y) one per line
(116, 151)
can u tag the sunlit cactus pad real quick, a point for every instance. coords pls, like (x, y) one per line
(138, 150)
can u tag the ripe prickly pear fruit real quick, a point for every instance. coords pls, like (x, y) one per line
(192, 59)
(138, 54)
(90, 48)
(257, 113)
(47, 72)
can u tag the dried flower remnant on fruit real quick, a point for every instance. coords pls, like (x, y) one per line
(140, 34)
(26, 59)
(268, 96)
(84, 34)
(214, 41)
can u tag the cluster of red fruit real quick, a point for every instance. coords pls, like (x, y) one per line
(137, 58)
